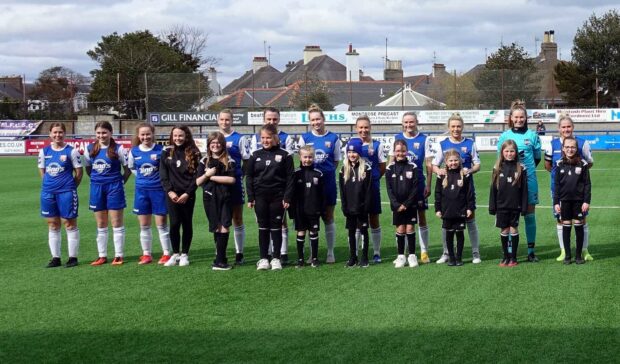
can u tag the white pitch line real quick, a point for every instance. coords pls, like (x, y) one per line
(538, 206)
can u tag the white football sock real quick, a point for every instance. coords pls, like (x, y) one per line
(443, 242)
(53, 240)
(586, 236)
(472, 231)
(375, 235)
(559, 230)
(119, 241)
(73, 242)
(239, 238)
(330, 237)
(164, 238)
(423, 233)
(146, 239)
(284, 248)
(102, 242)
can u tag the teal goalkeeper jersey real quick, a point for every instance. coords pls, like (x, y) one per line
(529, 147)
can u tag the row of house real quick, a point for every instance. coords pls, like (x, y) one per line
(13, 88)
(349, 89)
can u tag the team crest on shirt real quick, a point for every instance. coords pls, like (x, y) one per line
(278, 158)
(315, 180)
(328, 144)
(63, 158)
(267, 162)
(308, 184)
(416, 145)
(526, 141)
(409, 174)
(463, 149)
(578, 170)
(153, 157)
(509, 179)
(459, 183)
(228, 145)
(371, 152)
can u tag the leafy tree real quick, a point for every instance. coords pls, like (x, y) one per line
(596, 54)
(460, 92)
(311, 90)
(508, 75)
(129, 57)
(57, 85)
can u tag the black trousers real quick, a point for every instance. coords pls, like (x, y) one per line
(181, 215)
(269, 214)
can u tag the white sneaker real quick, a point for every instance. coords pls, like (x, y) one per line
(400, 261)
(174, 260)
(412, 260)
(263, 264)
(444, 259)
(330, 259)
(276, 264)
(476, 258)
(183, 260)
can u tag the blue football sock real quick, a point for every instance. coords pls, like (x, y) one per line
(530, 232)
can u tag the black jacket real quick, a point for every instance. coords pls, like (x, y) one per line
(217, 190)
(355, 194)
(270, 173)
(458, 197)
(401, 179)
(572, 182)
(308, 193)
(174, 172)
(509, 197)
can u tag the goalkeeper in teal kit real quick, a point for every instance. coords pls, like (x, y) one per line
(530, 155)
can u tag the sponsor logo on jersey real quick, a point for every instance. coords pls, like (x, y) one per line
(320, 156)
(54, 169)
(147, 169)
(100, 165)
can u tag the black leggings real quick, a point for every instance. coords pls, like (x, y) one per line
(269, 213)
(181, 215)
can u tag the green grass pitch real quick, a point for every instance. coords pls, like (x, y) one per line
(544, 312)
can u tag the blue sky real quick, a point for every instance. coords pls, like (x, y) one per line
(41, 34)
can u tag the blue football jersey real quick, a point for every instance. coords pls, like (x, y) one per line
(418, 149)
(144, 163)
(59, 166)
(327, 149)
(104, 169)
(238, 150)
(374, 155)
(466, 148)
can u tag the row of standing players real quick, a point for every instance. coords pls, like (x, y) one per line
(166, 181)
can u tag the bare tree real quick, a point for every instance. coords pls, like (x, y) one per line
(191, 42)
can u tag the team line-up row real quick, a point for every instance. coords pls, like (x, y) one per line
(167, 179)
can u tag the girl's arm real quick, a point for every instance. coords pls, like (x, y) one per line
(413, 192)
(493, 198)
(249, 179)
(587, 185)
(470, 195)
(429, 177)
(389, 180)
(343, 199)
(163, 172)
(524, 192)
(475, 160)
(290, 171)
(438, 188)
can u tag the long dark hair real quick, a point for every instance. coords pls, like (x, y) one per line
(500, 162)
(192, 154)
(111, 153)
(223, 157)
(577, 158)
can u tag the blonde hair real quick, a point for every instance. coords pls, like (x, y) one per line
(452, 153)
(563, 117)
(226, 111)
(500, 162)
(517, 105)
(135, 141)
(306, 148)
(347, 168)
(455, 116)
(316, 108)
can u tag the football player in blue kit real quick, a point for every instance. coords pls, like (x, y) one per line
(374, 155)
(419, 152)
(238, 149)
(327, 149)
(466, 147)
(271, 116)
(60, 168)
(552, 155)
(528, 145)
(150, 199)
(104, 160)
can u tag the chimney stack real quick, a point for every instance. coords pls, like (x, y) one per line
(548, 48)
(353, 65)
(310, 52)
(258, 63)
(393, 70)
